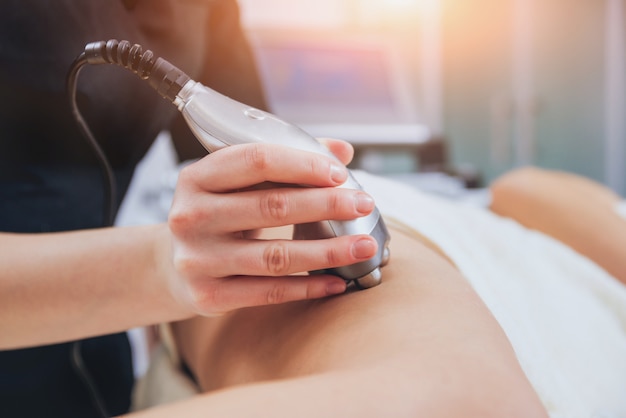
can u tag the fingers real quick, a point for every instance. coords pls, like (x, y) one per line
(217, 267)
(205, 201)
(268, 208)
(261, 269)
(239, 292)
(271, 258)
(341, 149)
(231, 274)
(242, 166)
(246, 291)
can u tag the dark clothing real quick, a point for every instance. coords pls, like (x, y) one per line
(49, 177)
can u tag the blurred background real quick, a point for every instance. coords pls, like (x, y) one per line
(471, 88)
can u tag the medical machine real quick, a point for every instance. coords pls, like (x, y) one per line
(218, 121)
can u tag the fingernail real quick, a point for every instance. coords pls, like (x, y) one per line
(363, 248)
(336, 287)
(364, 203)
(338, 173)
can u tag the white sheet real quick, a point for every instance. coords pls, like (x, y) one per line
(565, 316)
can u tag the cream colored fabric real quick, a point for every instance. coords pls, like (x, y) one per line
(163, 382)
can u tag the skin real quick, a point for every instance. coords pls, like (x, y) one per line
(572, 209)
(420, 344)
(61, 286)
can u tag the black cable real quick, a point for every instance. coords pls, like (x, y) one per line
(81, 370)
(109, 207)
(108, 217)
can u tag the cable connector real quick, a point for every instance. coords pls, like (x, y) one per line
(164, 77)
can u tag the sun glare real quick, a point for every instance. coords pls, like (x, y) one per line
(390, 12)
(332, 13)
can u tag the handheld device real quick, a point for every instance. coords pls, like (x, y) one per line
(218, 121)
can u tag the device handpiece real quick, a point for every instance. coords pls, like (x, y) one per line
(219, 121)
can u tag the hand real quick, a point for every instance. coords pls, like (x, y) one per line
(218, 267)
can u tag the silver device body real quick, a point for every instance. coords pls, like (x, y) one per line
(219, 121)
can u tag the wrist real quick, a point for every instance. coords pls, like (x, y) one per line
(171, 289)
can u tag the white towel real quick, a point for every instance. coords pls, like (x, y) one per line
(564, 315)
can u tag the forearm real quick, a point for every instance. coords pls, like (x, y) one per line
(62, 286)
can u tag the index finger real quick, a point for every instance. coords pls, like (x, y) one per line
(240, 166)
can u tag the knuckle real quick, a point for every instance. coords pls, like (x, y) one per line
(184, 265)
(185, 173)
(275, 205)
(318, 166)
(335, 201)
(333, 257)
(257, 157)
(276, 259)
(183, 217)
(176, 220)
(199, 291)
(192, 264)
(276, 295)
(206, 299)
